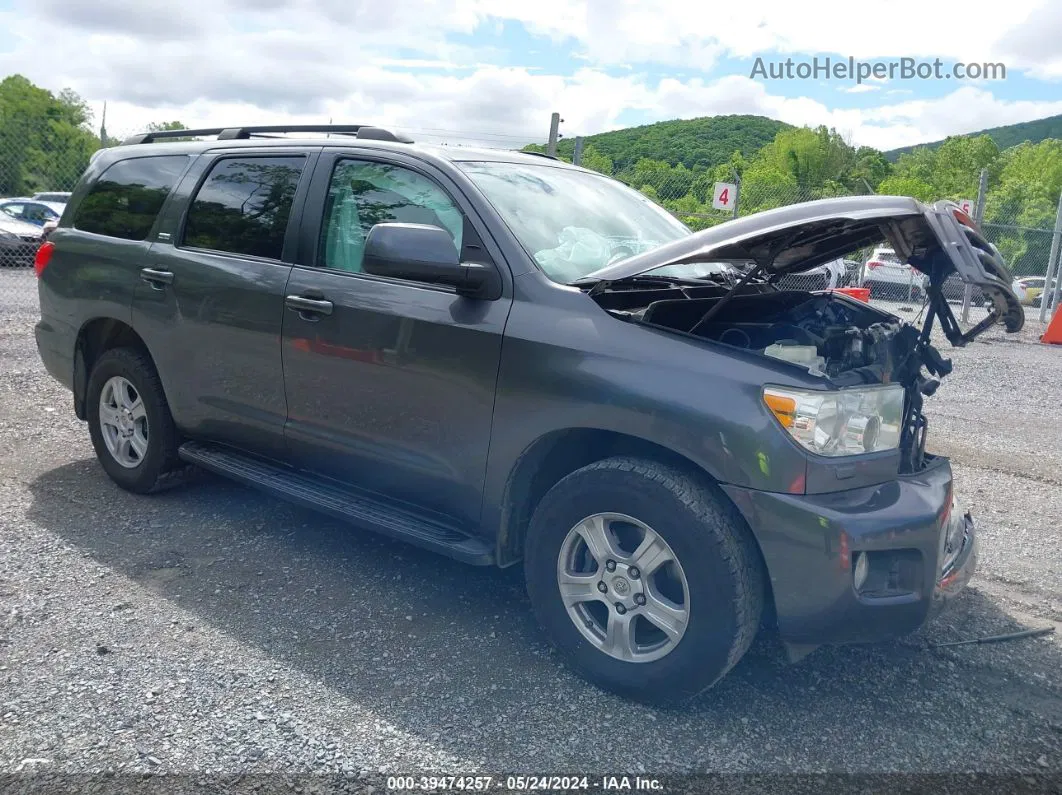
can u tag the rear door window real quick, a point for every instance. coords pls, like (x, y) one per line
(243, 206)
(125, 201)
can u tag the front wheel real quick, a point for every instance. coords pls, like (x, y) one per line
(647, 580)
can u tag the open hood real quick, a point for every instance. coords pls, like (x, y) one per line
(937, 240)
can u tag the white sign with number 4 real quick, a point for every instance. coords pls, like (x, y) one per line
(724, 195)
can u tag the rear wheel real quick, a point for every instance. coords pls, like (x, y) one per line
(129, 421)
(646, 580)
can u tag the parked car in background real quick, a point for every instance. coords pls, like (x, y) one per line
(53, 196)
(954, 289)
(32, 211)
(853, 271)
(887, 276)
(1032, 289)
(19, 242)
(828, 276)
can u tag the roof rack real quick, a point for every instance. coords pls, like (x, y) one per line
(362, 131)
(540, 154)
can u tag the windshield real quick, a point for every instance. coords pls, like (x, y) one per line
(572, 222)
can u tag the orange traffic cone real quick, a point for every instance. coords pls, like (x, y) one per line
(1053, 335)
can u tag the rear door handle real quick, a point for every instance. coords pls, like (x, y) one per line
(308, 306)
(156, 278)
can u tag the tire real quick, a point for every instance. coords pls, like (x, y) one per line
(159, 454)
(718, 561)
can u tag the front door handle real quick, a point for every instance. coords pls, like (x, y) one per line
(308, 306)
(156, 278)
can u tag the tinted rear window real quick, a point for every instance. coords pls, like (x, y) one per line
(127, 197)
(244, 205)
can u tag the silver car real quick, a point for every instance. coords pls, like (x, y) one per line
(19, 242)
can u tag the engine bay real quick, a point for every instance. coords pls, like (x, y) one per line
(832, 337)
(852, 345)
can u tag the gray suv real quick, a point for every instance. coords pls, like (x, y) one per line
(504, 358)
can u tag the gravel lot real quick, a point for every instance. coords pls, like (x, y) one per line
(213, 629)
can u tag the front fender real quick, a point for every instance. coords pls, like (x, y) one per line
(566, 369)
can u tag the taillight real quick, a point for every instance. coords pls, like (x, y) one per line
(43, 257)
(873, 264)
(965, 219)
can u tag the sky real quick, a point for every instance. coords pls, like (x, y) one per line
(490, 72)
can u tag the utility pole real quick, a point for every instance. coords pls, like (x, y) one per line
(1049, 297)
(554, 133)
(577, 157)
(103, 126)
(978, 217)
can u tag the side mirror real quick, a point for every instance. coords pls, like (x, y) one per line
(426, 253)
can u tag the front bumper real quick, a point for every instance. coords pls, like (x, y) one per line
(921, 553)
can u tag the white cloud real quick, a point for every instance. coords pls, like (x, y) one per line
(677, 32)
(212, 62)
(1033, 45)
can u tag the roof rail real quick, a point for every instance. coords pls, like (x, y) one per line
(362, 131)
(541, 154)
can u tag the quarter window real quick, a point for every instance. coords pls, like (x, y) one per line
(364, 193)
(244, 205)
(127, 197)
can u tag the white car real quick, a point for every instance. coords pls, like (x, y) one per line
(887, 276)
(19, 242)
(32, 211)
(828, 276)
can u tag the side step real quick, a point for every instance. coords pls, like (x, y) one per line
(429, 531)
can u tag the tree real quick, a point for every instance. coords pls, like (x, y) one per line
(811, 157)
(954, 169)
(44, 140)
(595, 160)
(897, 185)
(870, 168)
(160, 126)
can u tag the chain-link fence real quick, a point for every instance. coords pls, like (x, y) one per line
(41, 159)
(40, 164)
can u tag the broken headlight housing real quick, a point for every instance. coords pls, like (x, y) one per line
(840, 422)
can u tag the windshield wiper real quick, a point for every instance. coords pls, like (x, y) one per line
(600, 285)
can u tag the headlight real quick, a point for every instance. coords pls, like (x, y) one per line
(844, 422)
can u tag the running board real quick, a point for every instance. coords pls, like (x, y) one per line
(398, 521)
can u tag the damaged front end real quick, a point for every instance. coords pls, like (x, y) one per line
(718, 285)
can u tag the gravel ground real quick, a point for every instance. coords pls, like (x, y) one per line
(214, 630)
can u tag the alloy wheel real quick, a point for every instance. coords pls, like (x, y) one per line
(623, 587)
(123, 422)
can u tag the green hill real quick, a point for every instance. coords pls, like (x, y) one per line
(696, 143)
(1005, 137)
